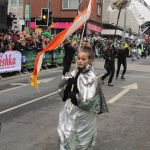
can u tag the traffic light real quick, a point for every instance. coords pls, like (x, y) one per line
(45, 16)
(50, 18)
(130, 32)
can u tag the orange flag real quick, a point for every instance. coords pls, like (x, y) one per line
(77, 23)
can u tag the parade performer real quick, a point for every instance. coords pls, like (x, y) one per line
(68, 58)
(121, 60)
(109, 56)
(77, 125)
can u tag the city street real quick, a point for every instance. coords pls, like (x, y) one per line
(29, 118)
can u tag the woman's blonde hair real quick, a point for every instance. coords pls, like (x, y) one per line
(9, 46)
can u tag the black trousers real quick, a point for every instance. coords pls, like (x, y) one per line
(110, 71)
(124, 63)
(66, 68)
(143, 54)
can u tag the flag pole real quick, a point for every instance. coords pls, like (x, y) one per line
(69, 102)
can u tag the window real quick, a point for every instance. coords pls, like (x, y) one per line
(21, 3)
(70, 4)
(99, 10)
(13, 3)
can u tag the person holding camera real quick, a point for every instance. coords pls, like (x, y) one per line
(10, 19)
(109, 56)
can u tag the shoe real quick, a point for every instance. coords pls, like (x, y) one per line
(116, 77)
(109, 84)
(122, 77)
(102, 81)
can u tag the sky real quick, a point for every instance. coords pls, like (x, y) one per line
(148, 2)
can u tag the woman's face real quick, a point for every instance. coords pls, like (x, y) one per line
(83, 60)
(121, 46)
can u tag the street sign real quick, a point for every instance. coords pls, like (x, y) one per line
(27, 12)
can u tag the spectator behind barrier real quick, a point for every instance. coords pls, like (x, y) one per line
(20, 44)
(2, 48)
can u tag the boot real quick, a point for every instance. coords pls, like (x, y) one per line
(122, 77)
(109, 84)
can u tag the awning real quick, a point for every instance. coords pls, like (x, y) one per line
(112, 32)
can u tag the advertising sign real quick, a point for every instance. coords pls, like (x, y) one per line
(10, 61)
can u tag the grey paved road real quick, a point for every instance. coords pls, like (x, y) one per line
(29, 118)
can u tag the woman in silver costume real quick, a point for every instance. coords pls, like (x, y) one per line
(77, 123)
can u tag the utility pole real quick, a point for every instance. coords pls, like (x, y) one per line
(29, 14)
(49, 5)
(125, 18)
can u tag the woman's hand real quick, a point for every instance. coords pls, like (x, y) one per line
(72, 95)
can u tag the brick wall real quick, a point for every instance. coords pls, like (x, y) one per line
(36, 7)
(58, 12)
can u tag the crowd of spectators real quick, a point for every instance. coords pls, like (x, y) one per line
(16, 40)
(19, 41)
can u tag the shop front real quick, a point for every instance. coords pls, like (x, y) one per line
(93, 30)
(57, 27)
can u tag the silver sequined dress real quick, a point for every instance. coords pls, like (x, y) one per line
(77, 125)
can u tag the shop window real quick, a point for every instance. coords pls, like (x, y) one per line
(21, 3)
(99, 10)
(70, 4)
(14, 3)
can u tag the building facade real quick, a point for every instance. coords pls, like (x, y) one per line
(110, 20)
(3, 13)
(16, 7)
(64, 11)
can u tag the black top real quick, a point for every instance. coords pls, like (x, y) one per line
(110, 53)
(69, 53)
(121, 55)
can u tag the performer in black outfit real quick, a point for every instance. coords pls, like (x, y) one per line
(121, 60)
(69, 54)
(109, 56)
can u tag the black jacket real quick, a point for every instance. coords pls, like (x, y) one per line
(69, 53)
(2, 48)
(18, 46)
(9, 20)
(110, 53)
(121, 55)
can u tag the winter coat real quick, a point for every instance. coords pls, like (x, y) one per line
(110, 53)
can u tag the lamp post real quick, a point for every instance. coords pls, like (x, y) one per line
(29, 14)
(124, 32)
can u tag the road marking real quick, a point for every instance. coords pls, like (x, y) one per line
(29, 74)
(126, 89)
(13, 88)
(34, 100)
(135, 106)
(138, 76)
(46, 80)
(18, 84)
